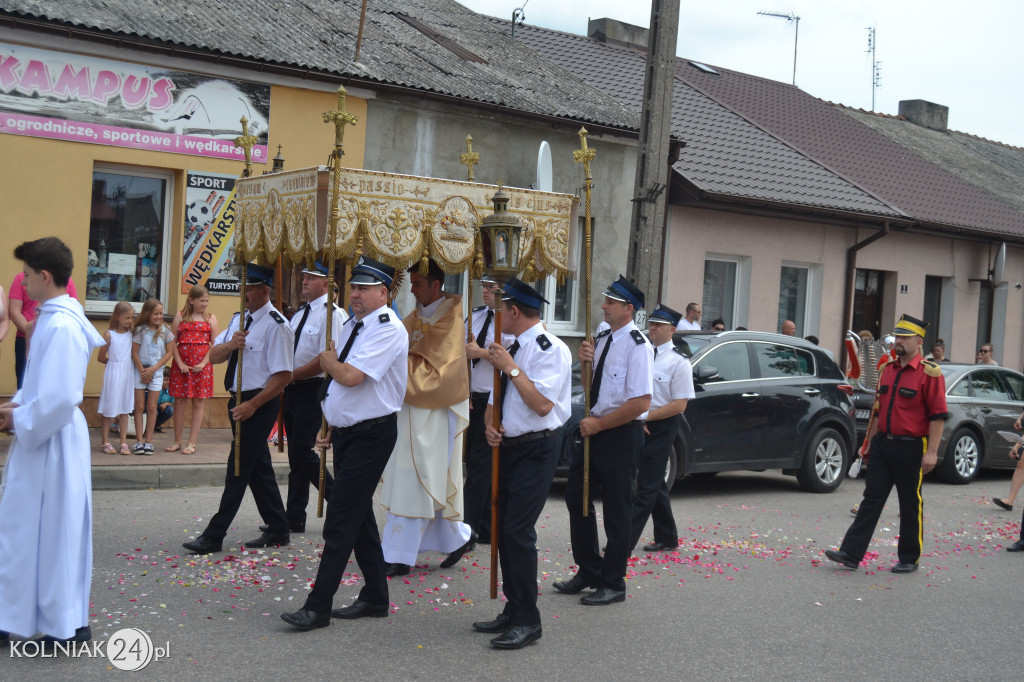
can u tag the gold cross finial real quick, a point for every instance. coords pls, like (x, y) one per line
(470, 158)
(246, 142)
(340, 118)
(584, 155)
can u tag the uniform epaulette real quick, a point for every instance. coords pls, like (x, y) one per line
(543, 342)
(606, 332)
(277, 317)
(637, 337)
(384, 317)
(931, 369)
(679, 350)
(479, 308)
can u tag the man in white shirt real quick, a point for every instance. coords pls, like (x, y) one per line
(673, 388)
(692, 320)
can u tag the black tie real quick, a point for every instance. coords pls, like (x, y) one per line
(512, 350)
(302, 323)
(322, 393)
(595, 389)
(655, 353)
(229, 378)
(481, 338)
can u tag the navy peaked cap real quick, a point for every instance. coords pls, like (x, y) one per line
(624, 290)
(521, 292)
(369, 271)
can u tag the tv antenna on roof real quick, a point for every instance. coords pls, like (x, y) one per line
(520, 16)
(876, 66)
(796, 34)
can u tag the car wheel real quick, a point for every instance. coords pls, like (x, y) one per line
(670, 470)
(825, 462)
(963, 457)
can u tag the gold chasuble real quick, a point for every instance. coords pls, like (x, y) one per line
(438, 372)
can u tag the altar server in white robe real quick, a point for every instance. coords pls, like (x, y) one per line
(46, 494)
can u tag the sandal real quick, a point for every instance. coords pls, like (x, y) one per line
(189, 449)
(173, 447)
(108, 449)
(125, 450)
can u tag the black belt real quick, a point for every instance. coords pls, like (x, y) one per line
(892, 436)
(527, 437)
(366, 423)
(480, 395)
(246, 395)
(310, 381)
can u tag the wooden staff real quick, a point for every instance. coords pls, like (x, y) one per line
(495, 461)
(278, 275)
(585, 155)
(340, 118)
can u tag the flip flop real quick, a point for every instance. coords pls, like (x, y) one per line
(173, 447)
(108, 449)
(189, 449)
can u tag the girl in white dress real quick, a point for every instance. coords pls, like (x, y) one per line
(118, 394)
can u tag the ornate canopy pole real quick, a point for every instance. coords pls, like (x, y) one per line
(585, 155)
(246, 142)
(340, 118)
(470, 158)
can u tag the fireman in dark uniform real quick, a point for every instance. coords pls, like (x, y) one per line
(910, 408)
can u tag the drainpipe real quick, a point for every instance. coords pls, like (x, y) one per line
(851, 274)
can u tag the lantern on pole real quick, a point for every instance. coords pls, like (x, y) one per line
(500, 237)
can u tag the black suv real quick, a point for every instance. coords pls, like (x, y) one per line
(763, 401)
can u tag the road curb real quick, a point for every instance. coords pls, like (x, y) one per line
(167, 476)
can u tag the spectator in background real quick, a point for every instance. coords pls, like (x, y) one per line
(985, 354)
(692, 319)
(23, 314)
(164, 403)
(865, 335)
(789, 328)
(939, 351)
(718, 325)
(5, 318)
(812, 338)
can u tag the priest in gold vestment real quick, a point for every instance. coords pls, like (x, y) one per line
(423, 480)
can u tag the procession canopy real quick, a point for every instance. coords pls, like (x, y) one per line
(397, 219)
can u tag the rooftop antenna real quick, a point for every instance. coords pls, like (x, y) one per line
(876, 66)
(518, 15)
(796, 34)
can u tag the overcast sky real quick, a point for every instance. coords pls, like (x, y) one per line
(966, 56)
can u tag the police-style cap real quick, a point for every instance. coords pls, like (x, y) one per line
(369, 271)
(665, 315)
(624, 290)
(259, 274)
(318, 269)
(521, 292)
(910, 326)
(487, 279)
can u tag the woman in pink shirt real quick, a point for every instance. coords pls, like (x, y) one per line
(23, 314)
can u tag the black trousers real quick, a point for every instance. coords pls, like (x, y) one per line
(477, 492)
(257, 473)
(613, 459)
(651, 498)
(302, 421)
(360, 455)
(526, 472)
(892, 462)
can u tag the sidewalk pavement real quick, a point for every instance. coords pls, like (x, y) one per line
(207, 467)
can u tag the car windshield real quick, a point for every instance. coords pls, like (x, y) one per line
(690, 344)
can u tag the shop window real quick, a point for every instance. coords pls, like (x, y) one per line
(129, 241)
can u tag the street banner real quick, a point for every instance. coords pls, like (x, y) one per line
(71, 97)
(208, 248)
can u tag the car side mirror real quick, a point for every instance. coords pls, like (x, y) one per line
(706, 374)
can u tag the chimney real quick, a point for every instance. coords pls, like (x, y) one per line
(925, 114)
(618, 33)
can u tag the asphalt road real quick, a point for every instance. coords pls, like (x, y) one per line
(748, 595)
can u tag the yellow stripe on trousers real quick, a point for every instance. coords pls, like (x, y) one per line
(920, 502)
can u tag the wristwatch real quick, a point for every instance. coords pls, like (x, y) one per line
(514, 373)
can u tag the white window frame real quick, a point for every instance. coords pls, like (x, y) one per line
(568, 327)
(741, 300)
(165, 257)
(812, 296)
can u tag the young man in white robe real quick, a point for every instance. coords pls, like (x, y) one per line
(46, 495)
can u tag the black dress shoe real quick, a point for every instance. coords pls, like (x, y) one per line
(48, 644)
(202, 545)
(661, 546)
(304, 619)
(603, 597)
(360, 609)
(841, 557)
(393, 570)
(1002, 505)
(517, 637)
(454, 557)
(573, 585)
(294, 527)
(499, 624)
(269, 540)
(903, 567)
(1017, 546)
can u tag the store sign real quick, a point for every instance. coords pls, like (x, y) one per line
(83, 99)
(208, 250)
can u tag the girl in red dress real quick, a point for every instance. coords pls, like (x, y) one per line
(192, 374)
